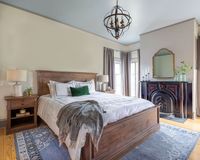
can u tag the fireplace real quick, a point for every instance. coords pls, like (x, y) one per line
(165, 101)
(174, 98)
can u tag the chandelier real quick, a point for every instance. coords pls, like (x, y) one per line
(117, 21)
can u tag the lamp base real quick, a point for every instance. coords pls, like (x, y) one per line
(104, 87)
(18, 90)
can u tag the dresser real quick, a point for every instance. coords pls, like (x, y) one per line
(173, 97)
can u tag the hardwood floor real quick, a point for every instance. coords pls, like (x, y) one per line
(7, 146)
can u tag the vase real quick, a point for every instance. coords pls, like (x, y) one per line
(176, 77)
(182, 77)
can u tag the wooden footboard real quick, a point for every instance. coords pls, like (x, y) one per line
(120, 137)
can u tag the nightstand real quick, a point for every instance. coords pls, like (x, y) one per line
(15, 120)
(109, 91)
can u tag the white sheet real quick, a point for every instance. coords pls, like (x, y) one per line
(116, 107)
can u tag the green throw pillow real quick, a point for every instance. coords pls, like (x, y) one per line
(80, 91)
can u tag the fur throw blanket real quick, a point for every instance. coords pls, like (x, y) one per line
(72, 117)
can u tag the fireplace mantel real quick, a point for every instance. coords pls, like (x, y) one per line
(174, 97)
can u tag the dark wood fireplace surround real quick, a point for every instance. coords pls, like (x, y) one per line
(173, 97)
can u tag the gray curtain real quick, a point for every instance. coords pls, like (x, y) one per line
(198, 76)
(108, 66)
(126, 59)
(126, 72)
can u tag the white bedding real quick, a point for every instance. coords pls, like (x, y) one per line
(116, 107)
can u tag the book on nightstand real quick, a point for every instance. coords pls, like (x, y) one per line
(22, 114)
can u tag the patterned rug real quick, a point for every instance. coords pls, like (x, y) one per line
(170, 143)
(39, 144)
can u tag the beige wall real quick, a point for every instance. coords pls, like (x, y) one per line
(180, 39)
(31, 42)
(133, 47)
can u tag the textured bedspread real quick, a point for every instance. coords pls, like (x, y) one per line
(116, 106)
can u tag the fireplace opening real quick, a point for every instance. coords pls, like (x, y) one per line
(165, 100)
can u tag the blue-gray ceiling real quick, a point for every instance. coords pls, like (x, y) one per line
(88, 15)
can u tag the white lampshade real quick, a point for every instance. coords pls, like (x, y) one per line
(103, 78)
(16, 75)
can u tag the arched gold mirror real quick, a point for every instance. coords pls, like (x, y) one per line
(163, 64)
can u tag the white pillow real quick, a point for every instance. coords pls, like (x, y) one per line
(52, 89)
(90, 84)
(63, 89)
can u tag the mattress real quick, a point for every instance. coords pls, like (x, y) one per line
(116, 107)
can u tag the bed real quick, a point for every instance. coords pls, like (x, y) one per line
(119, 136)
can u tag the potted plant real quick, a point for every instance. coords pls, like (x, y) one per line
(28, 91)
(182, 70)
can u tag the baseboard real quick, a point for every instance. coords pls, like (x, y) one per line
(2, 123)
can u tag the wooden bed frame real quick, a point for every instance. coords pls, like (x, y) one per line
(119, 137)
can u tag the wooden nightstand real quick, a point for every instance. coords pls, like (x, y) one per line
(16, 122)
(109, 91)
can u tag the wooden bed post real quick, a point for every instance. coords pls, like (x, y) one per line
(158, 114)
(86, 151)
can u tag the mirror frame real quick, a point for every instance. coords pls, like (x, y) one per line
(153, 59)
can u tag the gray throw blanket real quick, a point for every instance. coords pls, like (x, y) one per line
(72, 116)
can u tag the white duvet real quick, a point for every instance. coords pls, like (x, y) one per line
(116, 107)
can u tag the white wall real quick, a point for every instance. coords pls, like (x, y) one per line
(180, 39)
(133, 47)
(31, 42)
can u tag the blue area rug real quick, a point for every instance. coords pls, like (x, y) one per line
(173, 118)
(39, 144)
(170, 143)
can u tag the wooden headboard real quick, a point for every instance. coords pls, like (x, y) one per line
(43, 78)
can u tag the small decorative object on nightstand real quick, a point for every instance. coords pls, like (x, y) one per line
(21, 113)
(28, 91)
(110, 91)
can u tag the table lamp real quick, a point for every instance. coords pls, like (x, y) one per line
(17, 76)
(103, 79)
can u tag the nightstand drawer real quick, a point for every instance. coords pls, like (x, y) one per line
(22, 103)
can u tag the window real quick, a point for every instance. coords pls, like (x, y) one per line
(118, 73)
(126, 73)
(134, 77)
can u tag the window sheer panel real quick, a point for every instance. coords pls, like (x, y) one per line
(134, 84)
(118, 73)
